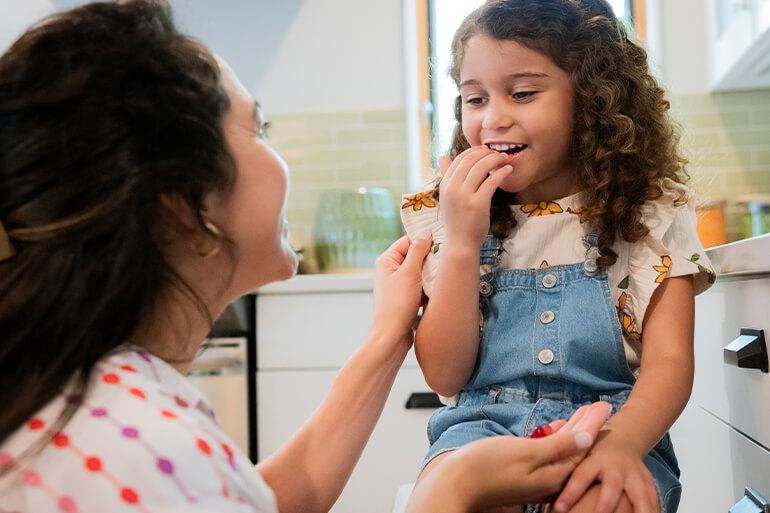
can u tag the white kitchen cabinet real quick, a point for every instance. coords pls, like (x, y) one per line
(722, 438)
(306, 329)
(717, 462)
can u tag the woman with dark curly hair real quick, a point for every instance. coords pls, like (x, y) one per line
(564, 186)
(138, 198)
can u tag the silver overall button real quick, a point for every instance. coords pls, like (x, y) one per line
(590, 266)
(549, 280)
(547, 317)
(485, 288)
(592, 253)
(545, 356)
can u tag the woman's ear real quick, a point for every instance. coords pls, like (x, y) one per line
(177, 212)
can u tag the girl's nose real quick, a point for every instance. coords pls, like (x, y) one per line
(496, 116)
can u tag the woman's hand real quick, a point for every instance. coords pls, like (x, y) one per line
(506, 470)
(619, 470)
(467, 185)
(398, 285)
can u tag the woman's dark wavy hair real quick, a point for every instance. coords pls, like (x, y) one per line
(102, 109)
(624, 142)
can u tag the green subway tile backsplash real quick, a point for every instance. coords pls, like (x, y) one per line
(338, 150)
(726, 137)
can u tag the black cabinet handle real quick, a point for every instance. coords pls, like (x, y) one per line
(751, 502)
(748, 351)
(427, 400)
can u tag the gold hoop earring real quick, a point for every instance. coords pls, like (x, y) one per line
(216, 233)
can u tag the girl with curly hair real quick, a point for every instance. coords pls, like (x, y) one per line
(138, 198)
(564, 186)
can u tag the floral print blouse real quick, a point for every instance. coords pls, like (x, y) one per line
(550, 233)
(143, 440)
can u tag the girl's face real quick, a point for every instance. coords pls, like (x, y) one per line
(253, 213)
(516, 100)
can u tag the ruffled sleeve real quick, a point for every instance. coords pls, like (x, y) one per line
(671, 249)
(419, 214)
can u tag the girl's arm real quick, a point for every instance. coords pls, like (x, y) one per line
(308, 473)
(657, 399)
(667, 367)
(447, 338)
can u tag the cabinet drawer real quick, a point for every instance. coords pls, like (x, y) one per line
(738, 396)
(717, 462)
(311, 330)
(287, 398)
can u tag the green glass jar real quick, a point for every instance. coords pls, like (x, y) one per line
(756, 215)
(352, 227)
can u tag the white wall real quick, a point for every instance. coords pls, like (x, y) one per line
(679, 44)
(294, 55)
(17, 15)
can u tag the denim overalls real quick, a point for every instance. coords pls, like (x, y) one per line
(550, 342)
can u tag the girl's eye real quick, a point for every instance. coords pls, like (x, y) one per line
(523, 95)
(474, 101)
(263, 130)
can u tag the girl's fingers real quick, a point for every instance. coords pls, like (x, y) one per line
(459, 170)
(459, 161)
(610, 492)
(650, 492)
(494, 180)
(577, 485)
(639, 497)
(483, 168)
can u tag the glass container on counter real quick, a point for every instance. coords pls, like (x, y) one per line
(352, 227)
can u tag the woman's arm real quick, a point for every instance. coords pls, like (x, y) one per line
(447, 338)
(308, 473)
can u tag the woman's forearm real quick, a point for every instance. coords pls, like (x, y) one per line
(310, 471)
(447, 338)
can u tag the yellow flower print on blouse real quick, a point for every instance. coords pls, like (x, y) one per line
(543, 264)
(663, 268)
(543, 208)
(419, 200)
(627, 322)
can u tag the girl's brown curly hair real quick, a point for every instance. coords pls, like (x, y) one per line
(623, 141)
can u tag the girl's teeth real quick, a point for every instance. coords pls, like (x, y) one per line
(506, 147)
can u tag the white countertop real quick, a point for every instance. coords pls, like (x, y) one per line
(748, 256)
(308, 283)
